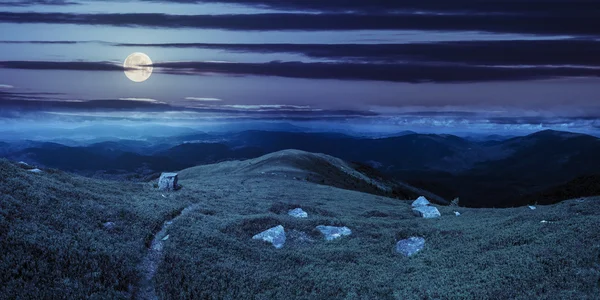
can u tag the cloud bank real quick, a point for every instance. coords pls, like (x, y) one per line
(584, 24)
(393, 72)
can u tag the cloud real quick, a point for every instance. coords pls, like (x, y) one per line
(19, 104)
(15, 104)
(6, 86)
(576, 52)
(414, 73)
(419, 6)
(583, 24)
(43, 42)
(261, 107)
(55, 65)
(141, 99)
(279, 110)
(203, 99)
(394, 72)
(513, 7)
(36, 2)
(528, 52)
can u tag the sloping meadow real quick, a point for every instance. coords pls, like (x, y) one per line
(55, 242)
(483, 253)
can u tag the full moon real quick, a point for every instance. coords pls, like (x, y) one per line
(138, 67)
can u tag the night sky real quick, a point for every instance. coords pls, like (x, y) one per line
(371, 65)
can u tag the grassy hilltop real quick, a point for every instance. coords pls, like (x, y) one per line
(54, 244)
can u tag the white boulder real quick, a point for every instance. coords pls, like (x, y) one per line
(333, 232)
(36, 170)
(275, 236)
(421, 201)
(167, 182)
(410, 246)
(427, 212)
(298, 213)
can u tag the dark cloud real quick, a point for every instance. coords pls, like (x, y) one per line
(11, 102)
(513, 7)
(54, 65)
(414, 73)
(533, 52)
(41, 42)
(443, 6)
(512, 52)
(535, 24)
(441, 114)
(37, 2)
(18, 103)
(545, 120)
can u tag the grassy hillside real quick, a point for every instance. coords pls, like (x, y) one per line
(484, 253)
(53, 243)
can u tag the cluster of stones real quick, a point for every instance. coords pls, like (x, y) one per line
(277, 237)
(407, 247)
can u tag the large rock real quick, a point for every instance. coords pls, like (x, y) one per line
(167, 181)
(332, 232)
(421, 201)
(298, 213)
(36, 170)
(275, 236)
(410, 246)
(426, 212)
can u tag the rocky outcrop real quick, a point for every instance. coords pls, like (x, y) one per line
(410, 246)
(275, 236)
(298, 213)
(332, 232)
(167, 182)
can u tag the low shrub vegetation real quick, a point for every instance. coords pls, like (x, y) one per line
(54, 243)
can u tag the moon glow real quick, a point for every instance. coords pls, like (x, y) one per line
(138, 67)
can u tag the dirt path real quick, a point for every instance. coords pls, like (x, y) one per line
(151, 261)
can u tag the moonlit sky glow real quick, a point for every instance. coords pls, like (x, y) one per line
(366, 65)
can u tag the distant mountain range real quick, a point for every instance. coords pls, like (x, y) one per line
(497, 171)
